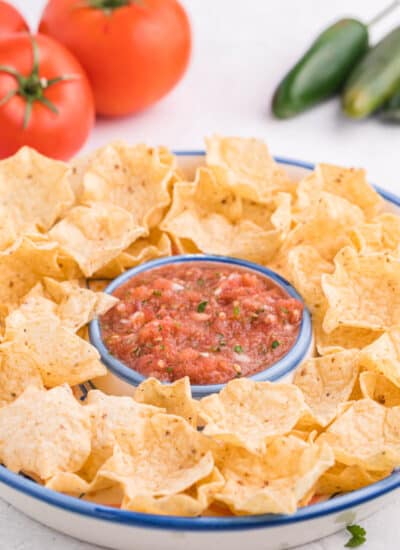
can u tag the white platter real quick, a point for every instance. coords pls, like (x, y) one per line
(123, 530)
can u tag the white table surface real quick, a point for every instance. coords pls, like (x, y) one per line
(241, 49)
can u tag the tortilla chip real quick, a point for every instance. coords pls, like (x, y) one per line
(366, 434)
(304, 267)
(172, 458)
(249, 414)
(68, 483)
(326, 382)
(343, 479)
(17, 373)
(276, 214)
(65, 302)
(43, 433)
(208, 215)
(98, 285)
(76, 306)
(364, 291)
(156, 245)
(95, 234)
(247, 167)
(348, 183)
(60, 355)
(175, 398)
(34, 192)
(132, 178)
(111, 416)
(274, 482)
(22, 266)
(33, 306)
(190, 503)
(341, 338)
(379, 388)
(383, 356)
(325, 226)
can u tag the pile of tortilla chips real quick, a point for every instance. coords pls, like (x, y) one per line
(256, 447)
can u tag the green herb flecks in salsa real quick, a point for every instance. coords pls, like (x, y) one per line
(202, 306)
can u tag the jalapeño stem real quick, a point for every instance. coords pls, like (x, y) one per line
(386, 11)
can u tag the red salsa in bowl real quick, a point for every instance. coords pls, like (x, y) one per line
(206, 320)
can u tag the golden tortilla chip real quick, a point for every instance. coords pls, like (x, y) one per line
(172, 458)
(247, 167)
(33, 306)
(274, 482)
(343, 479)
(175, 398)
(156, 245)
(276, 214)
(60, 355)
(132, 178)
(34, 192)
(196, 215)
(249, 414)
(17, 373)
(95, 234)
(304, 267)
(341, 338)
(66, 302)
(365, 434)
(43, 433)
(348, 183)
(22, 266)
(364, 291)
(325, 226)
(383, 356)
(111, 416)
(76, 306)
(192, 502)
(379, 388)
(68, 483)
(326, 382)
(98, 285)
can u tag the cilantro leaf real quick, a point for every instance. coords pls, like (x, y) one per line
(358, 536)
(202, 306)
(238, 349)
(275, 344)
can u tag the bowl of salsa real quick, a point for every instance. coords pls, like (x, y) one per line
(210, 318)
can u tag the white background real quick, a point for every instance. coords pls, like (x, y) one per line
(241, 50)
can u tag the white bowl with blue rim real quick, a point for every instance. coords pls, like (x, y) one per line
(124, 379)
(124, 530)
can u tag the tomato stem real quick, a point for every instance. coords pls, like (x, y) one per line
(32, 87)
(108, 6)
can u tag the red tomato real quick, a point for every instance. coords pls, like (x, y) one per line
(134, 52)
(53, 117)
(10, 19)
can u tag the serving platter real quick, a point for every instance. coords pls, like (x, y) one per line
(121, 530)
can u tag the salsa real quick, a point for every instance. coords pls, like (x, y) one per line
(210, 322)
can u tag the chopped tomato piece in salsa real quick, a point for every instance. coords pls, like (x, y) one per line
(210, 322)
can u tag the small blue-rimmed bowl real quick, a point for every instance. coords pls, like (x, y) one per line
(128, 378)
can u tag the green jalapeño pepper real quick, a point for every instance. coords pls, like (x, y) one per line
(375, 79)
(323, 69)
(391, 109)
